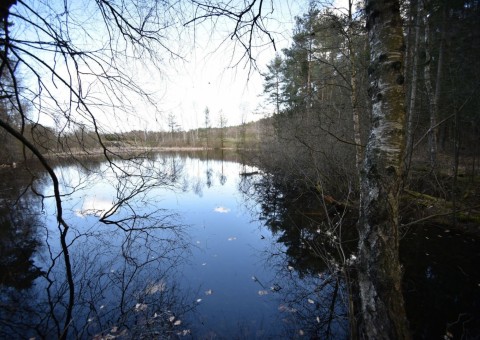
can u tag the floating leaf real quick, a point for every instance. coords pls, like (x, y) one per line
(199, 300)
(283, 308)
(311, 301)
(290, 268)
(140, 307)
(171, 319)
(185, 332)
(157, 287)
(177, 323)
(275, 287)
(209, 292)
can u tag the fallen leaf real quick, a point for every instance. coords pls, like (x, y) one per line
(140, 307)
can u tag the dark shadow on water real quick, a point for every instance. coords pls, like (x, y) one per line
(442, 282)
(441, 275)
(124, 269)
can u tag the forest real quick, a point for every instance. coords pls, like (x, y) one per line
(373, 114)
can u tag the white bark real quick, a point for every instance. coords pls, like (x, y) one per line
(379, 271)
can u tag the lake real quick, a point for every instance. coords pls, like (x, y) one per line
(201, 246)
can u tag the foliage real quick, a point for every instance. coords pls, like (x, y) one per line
(311, 90)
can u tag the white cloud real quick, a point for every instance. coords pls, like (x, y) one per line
(93, 206)
(222, 210)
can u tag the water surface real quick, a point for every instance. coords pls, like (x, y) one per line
(179, 251)
(202, 247)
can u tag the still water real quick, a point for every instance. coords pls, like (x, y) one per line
(191, 246)
(177, 252)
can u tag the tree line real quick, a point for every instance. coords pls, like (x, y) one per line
(379, 100)
(321, 97)
(373, 99)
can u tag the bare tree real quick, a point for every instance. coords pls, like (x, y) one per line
(222, 124)
(249, 21)
(414, 78)
(75, 76)
(379, 271)
(433, 96)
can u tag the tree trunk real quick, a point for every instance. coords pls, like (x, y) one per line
(379, 272)
(354, 96)
(413, 82)
(433, 96)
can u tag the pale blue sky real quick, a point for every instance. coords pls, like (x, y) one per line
(209, 74)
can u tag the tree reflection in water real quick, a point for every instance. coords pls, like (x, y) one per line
(130, 278)
(312, 254)
(122, 254)
(315, 256)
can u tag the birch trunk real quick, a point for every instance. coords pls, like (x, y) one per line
(379, 271)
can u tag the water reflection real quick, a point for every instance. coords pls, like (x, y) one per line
(19, 220)
(123, 251)
(441, 278)
(203, 247)
(309, 256)
(442, 282)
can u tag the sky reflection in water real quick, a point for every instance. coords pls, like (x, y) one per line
(210, 273)
(190, 255)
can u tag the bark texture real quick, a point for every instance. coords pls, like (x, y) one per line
(379, 271)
